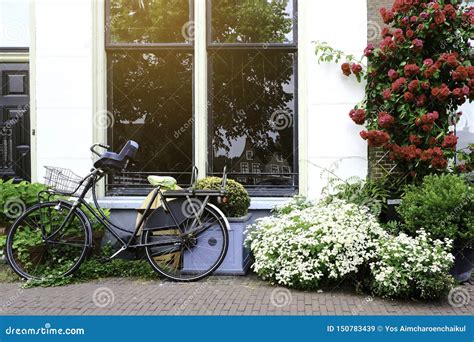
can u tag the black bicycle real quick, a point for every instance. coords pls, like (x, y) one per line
(185, 238)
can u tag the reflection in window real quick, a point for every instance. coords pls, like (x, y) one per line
(150, 21)
(150, 97)
(252, 21)
(252, 108)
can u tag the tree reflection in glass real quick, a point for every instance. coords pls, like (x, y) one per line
(252, 21)
(149, 21)
(252, 105)
(150, 98)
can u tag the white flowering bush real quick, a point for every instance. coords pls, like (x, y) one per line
(306, 247)
(412, 267)
(296, 203)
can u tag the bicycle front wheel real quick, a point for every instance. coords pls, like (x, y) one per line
(192, 251)
(49, 240)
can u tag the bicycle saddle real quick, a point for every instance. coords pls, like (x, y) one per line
(118, 161)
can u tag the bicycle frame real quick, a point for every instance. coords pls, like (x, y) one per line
(91, 181)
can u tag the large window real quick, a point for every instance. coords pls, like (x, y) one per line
(150, 89)
(251, 77)
(252, 48)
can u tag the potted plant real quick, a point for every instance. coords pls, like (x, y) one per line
(236, 209)
(444, 206)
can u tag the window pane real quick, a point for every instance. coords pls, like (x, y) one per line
(150, 21)
(252, 21)
(151, 100)
(252, 108)
(14, 23)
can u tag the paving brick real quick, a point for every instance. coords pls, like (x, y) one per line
(222, 296)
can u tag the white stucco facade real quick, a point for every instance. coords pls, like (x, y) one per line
(66, 88)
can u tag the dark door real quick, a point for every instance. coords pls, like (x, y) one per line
(15, 158)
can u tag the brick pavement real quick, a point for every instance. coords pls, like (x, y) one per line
(214, 296)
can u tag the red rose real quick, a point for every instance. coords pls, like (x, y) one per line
(425, 85)
(439, 163)
(427, 128)
(452, 61)
(346, 69)
(413, 86)
(385, 120)
(417, 44)
(433, 116)
(411, 70)
(375, 138)
(408, 97)
(439, 17)
(387, 15)
(420, 27)
(358, 116)
(421, 100)
(428, 62)
(392, 74)
(386, 32)
(356, 68)
(441, 93)
(450, 141)
(398, 35)
(387, 44)
(459, 92)
(470, 71)
(430, 72)
(368, 51)
(415, 140)
(387, 94)
(398, 84)
(460, 74)
(409, 34)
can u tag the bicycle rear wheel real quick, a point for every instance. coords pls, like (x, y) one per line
(49, 240)
(192, 251)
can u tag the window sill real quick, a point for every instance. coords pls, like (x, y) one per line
(257, 203)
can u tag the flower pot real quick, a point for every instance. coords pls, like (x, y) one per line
(237, 260)
(463, 261)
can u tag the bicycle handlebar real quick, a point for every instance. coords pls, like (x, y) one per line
(99, 145)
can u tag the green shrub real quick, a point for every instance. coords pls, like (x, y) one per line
(296, 203)
(443, 206)
(368, 193)
(98, 267)
(238, 199)
(16, 197)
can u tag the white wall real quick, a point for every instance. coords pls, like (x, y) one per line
(62, 60)
(332, 136)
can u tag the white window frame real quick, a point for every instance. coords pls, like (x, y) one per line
(256, 168)
(200, 91)
(244, 165)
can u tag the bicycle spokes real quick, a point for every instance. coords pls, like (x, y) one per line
(199, 246)
(47, 242)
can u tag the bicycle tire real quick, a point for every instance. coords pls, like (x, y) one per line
(221, 235)
(83, 243)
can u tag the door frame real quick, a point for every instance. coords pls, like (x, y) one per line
(27, 55)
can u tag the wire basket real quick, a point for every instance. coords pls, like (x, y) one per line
(63, 181)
